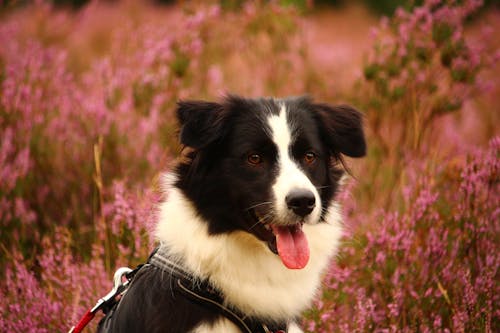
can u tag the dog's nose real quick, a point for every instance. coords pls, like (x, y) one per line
(301, 201)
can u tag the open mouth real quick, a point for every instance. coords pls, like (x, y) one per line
(289, 242)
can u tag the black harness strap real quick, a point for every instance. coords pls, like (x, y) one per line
(214, 305)
(203, 293)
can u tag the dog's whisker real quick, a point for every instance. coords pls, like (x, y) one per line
(264, 219)
(259, 204)
(269, 215)
(255, 224)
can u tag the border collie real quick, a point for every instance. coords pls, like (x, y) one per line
(250, 217)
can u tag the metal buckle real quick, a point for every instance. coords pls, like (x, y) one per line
(119, 287)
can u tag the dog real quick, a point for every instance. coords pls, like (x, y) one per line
(250, 222)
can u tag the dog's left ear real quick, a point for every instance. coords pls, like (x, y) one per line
(342, 129)
(201, 122)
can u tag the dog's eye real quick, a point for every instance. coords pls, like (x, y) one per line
(254, 159)
(309, 157)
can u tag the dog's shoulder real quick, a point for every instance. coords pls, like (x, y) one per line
(152, 304)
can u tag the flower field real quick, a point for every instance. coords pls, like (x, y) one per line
(87, 124)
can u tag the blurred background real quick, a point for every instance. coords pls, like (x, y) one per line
(87, 97)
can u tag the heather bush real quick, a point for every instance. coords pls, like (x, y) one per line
(85, 133)
(431, 266)
(61, 114)
(86, 125)
(52, 120)
(50, 290)
(420, 69)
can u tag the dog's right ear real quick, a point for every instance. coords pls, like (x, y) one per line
(343, 129)
(201, 122)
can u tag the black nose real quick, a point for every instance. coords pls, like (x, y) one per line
(302, 202)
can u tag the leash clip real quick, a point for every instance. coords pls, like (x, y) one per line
(118, 287)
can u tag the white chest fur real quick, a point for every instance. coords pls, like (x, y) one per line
(252, 278)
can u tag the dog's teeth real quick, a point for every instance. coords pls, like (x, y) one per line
(267, 227)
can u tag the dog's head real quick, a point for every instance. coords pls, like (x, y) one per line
(266, 166)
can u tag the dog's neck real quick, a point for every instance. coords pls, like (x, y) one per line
(250, 276)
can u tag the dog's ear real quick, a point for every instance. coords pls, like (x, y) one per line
(342, 129)
(200, 121)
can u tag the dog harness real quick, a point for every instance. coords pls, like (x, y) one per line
(198, 291)
(203, 293)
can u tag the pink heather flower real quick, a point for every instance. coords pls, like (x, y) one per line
(421, 77)
(311, 327)
(437, 323)
(196, 46)
(325, 316)
(432, 3)
(374, 33)
(194, 21)
(471, 6)
(402, 51)
(26, 215)
(393, 310)
(404, 33)
(384, 23)
(380, 258)
(400, 13)
(214, 11)
(420, 14)
(249, 8)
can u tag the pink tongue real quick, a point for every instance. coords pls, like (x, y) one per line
(293, 248)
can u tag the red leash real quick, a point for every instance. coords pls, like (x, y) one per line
(119, 288)
(89, 315)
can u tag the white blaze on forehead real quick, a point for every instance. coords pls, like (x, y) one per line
(290, 176)
(280, 129)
